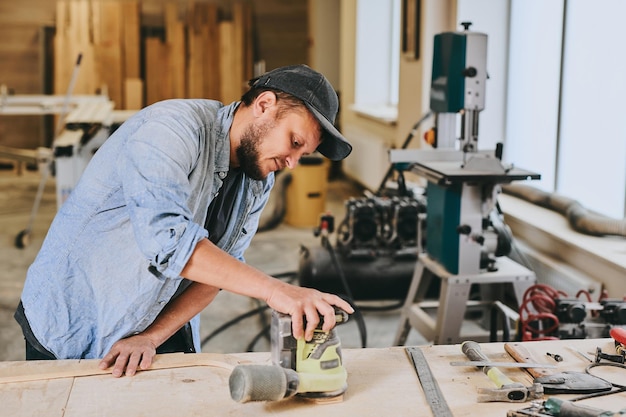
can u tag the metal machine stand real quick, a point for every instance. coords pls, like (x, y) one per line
(86, 122)
(453, 298)
(459, 199)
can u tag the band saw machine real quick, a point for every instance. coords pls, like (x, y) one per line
(463, 227)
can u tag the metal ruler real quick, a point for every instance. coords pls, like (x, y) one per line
(433, 394)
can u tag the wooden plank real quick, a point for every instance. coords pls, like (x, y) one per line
(96, 23)
(19, 56)
(158, 84)
(212, 57)
(87, 81)
(152, 47)
(42, 370)
(61, 70)
(80, 20)
(110, 23)
(108, 57)
(39, 398)
(133, 93)
(380, 382)
(248, 46)
(196, 48)
(79, 42)
(18, 154)
(239, 31)
(131, 38)
(229, 88)
(108, 50)
(31, 13)
(175, 39)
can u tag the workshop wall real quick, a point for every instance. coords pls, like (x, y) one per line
(143, 51)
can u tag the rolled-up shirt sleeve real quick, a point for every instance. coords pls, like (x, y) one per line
(155, 170)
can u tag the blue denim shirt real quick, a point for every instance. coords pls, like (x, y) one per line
(114, 253)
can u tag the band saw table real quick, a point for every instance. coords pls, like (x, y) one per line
(381, 382)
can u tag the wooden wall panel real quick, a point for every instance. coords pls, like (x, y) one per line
(275, 31)
(229, 75)
(195, 70)
(133, 93)
(94, 29)
(19, 71)
(108, 47)
(211, 39)
(175, 39)
(131, 15)
(158, 85)
(203, 79)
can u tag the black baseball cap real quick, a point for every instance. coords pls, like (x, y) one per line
(320, 98)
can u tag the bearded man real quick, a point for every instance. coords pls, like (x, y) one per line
(161, 217)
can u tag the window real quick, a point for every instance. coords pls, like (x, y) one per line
(563, 96)
(377, 59)
(591, 164)
(533, 88)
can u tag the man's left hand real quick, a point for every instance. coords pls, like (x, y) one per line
(128, 355)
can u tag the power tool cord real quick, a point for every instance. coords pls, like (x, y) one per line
(266, 327)
(616, 387)
(232, 322)
(349, 298)
(290, 276)
(265, 332)
(615, 365)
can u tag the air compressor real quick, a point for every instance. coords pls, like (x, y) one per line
(377, 244)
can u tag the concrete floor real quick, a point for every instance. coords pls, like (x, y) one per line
(275, 251)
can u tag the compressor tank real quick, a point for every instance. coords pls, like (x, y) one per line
(369, 278)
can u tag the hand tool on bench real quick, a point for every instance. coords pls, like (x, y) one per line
(619, 336)
(608, 357)
(432, 392)
(556, 407)
(480, 364)
(568, 382)
(508, 390)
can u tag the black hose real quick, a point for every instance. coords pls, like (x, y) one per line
(349, 298)
(265, 332)
(389, 307)
(232, 322)
(259, 310)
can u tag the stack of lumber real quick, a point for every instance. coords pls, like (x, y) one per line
(200, 55)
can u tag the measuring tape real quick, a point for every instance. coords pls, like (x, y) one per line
(433, 394)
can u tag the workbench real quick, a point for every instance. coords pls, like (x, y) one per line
(381, 382)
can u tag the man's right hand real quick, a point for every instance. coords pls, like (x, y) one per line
(300, 302)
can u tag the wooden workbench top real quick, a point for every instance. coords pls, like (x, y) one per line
(381, 382)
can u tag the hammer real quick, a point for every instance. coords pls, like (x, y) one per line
(508, 390)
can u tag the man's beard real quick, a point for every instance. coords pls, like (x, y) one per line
(248, 149)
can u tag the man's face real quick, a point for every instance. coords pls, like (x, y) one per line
(269, 144)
